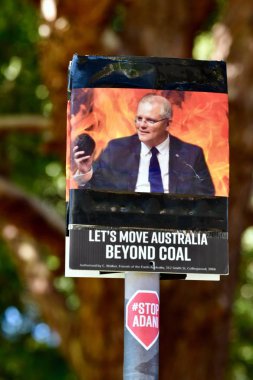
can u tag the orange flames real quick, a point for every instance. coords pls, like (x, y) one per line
(200, 118)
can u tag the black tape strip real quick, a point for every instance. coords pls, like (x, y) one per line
(148, 72)
(145, 210)
(163, 276)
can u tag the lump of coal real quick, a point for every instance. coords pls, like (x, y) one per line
(85, 143)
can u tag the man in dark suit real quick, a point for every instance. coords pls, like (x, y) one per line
(150, 161)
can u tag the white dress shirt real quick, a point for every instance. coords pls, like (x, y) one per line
(142, 184)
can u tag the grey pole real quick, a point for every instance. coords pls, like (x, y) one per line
(141, 330)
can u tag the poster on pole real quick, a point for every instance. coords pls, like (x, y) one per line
(147, 167)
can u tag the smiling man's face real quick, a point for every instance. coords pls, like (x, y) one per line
(151, 123)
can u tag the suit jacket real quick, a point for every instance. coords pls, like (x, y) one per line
(117, 167)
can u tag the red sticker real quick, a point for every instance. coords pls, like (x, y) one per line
(142, 317)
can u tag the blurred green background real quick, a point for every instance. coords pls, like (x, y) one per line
(53, 327)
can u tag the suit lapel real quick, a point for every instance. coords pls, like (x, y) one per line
(133, 164)
(173, 165)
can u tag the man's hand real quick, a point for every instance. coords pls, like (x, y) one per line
(83, 163)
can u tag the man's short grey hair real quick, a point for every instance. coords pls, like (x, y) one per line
(167, 109)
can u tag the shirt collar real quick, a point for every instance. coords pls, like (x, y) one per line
(162, 148)
(144, 149)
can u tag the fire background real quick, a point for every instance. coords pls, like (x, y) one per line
(52, 327)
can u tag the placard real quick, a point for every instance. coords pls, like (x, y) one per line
(147, 167)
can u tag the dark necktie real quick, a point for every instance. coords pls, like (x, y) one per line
(154, 176)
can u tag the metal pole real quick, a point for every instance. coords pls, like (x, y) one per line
(141, 331)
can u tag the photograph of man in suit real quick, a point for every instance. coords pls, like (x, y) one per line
(152, 160)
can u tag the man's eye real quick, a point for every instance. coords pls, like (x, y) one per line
(150, 121)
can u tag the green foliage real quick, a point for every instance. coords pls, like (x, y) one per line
(22, 91)
(37, 172)
(28, 347)
(23, 358)
(19, 74)
(203, 46)
(24, 361)
(10, 293)
(118, 18)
